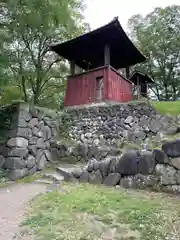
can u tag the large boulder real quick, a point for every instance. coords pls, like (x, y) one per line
(172, 148)
(112, 179)
(2, 160)
(112, 164)
(47, 133)
(90, 165)
(97, 152)
(17, 142)
(66, 173)
(146, 163)
(129, 182)
(128, 163)
(76, 172)
(33, 122)
(95, 177)
(139, 181)
(167, 174)
(80, 149)
(175, 162)
(40, 143)
(104, 167)
(14, 163)
(178, 177)
(32, 149)
(30, 161)
(171, 189)
(22, 132)
(160, 156)
(47, 153)
(172, 130)
(147, 181)
(17, 174)
(41, 163)
(18, 152)
(84, 176)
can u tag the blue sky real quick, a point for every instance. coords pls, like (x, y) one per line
(100, 12)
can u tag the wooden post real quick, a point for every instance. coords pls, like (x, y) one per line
(127, 72)
(138, 87)
(106, 55)
(72, 67)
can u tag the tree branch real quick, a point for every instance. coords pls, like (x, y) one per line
(30, 50)
(51, 65)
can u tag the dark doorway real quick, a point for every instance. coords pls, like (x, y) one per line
(99, 88)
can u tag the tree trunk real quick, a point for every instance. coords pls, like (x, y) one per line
(23, 83)
(166, 92)
(174, 92)
(37, 91)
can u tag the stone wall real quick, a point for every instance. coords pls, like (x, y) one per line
(157, 170)
(30, 134)
(79, 152)
(8, 122)
(27, 147)
(109, 125)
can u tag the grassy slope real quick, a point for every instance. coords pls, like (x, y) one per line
(168, 108)
(85, 212)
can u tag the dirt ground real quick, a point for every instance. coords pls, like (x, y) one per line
(13, 206)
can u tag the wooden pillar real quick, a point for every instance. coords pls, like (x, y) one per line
(72, 67)
(138, 88)
(106, 55)
(127, 72)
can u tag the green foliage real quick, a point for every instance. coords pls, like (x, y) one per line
(28, 28)
(10, 93)
(86, 212)
(157, 35)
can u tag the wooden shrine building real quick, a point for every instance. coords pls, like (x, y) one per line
(141, 82)
(100, 54)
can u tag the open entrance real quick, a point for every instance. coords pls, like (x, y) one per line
(99, 88)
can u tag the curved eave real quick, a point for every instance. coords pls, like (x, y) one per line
(90, 47)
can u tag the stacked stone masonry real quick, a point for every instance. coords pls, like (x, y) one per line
(27, 148)
(31, 143)
(156, 170)
(109, 125)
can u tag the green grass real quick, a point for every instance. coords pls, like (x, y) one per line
(29, 179)
(168, 108)
(85, 212)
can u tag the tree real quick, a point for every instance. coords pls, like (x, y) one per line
(29, 27)
(157, 35)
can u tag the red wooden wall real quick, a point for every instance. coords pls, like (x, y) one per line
(81, 89)
(119, 89)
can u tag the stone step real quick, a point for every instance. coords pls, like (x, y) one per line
(43, 181)
(55, 176)
(69, 166)
(66, 173)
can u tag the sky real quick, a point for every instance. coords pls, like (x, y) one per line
(100, 12)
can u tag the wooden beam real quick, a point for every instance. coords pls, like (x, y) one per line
(72, 67)
(127, 72)
(106, 55)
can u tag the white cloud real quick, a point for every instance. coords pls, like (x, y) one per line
(100, 12)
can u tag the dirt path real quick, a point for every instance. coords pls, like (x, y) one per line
(13, 207)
